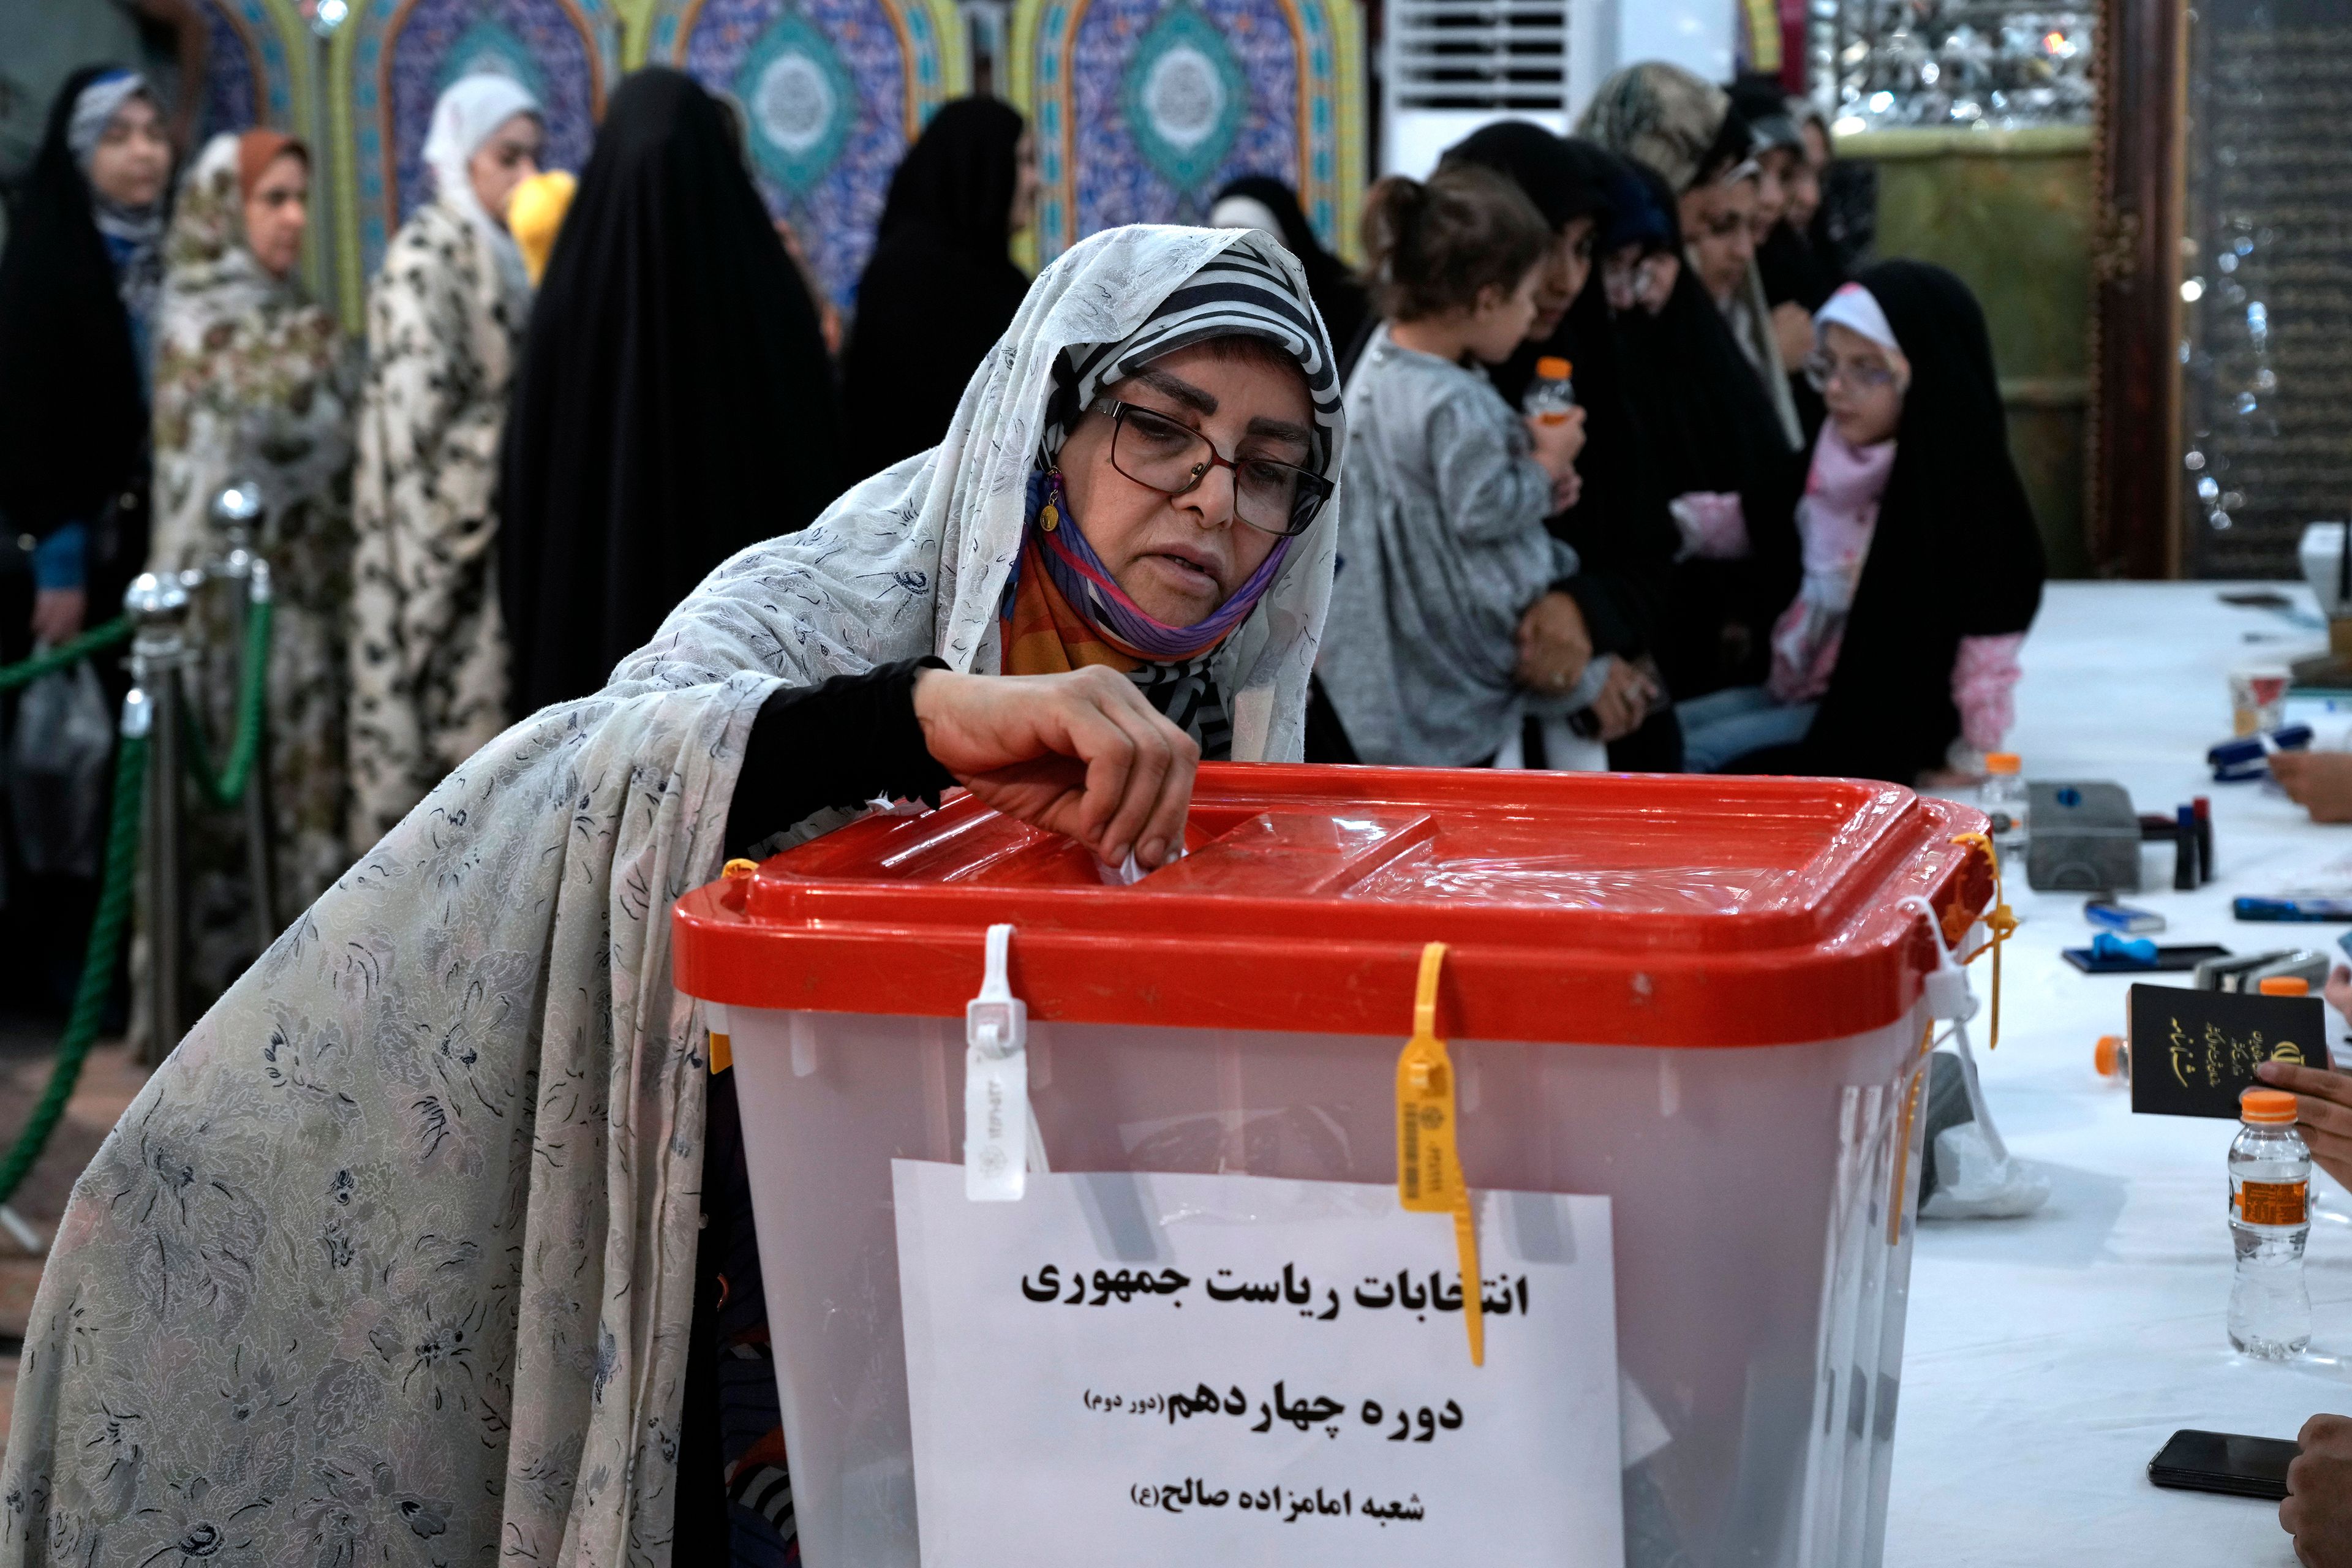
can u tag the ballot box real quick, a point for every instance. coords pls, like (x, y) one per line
(1687, 1023)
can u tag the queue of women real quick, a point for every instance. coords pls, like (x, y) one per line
(431, 1239)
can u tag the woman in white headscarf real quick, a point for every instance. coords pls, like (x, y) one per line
(444, 323)
(394, 1256)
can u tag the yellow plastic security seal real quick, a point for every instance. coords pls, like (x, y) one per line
(1429, 1166)
(2000, 924)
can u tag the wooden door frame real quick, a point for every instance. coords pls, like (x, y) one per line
(2132, 509)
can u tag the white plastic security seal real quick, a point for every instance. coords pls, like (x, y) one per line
(1976, 1176)
(1000, 1142)
(1946, 985)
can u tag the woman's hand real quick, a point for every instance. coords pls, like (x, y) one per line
(1792, 327)
(58, 615)
(2323, 1109)
(1555, 644)
(1566, 491)
(1081, 754)
(1624, 704)
(2320, 782)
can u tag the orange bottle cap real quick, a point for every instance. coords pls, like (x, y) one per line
(2284, 986)
(2001, 763)
(2107, 1056)
(2269, 1107)
(1551, 367)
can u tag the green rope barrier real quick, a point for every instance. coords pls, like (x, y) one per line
(97, 967)
(102, 636)
(227, 787)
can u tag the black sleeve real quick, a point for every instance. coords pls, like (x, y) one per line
(1624, 538)
(838, 745)
(1628, 563)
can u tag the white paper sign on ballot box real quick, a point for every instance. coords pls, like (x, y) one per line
(1154, 1370)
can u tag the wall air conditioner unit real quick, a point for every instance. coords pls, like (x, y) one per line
(1450, 66)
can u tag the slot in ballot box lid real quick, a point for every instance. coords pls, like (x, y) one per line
(1597, 909)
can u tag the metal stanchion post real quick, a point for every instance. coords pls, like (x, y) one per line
(324, 16)
(260, 857)
(246, 577)
(158, 607)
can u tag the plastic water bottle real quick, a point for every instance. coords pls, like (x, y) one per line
(2003, 798)
(2111, 1057)
(1550, 395)
(2270, 1219)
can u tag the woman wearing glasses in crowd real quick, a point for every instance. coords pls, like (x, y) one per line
(1922, 566)
(1441, 531)
(432, 1177)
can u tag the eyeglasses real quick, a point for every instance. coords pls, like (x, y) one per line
(1162, 455)
(1821, 370)
(1628, 283)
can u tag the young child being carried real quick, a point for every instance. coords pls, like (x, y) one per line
(1444, 487)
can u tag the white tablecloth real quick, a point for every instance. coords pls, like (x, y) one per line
(2049, 1357)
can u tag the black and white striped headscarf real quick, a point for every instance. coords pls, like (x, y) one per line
(1242, 292)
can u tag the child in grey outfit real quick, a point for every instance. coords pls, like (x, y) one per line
(1444, 487)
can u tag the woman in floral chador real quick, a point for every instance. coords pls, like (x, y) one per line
(395, 1259)
(252, 387)
(445, 320)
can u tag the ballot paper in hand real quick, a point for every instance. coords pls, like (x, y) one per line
(1162, 1371)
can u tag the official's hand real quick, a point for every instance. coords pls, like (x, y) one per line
(58, 615)
(1082, 755)
(2323, 1107)
(2320, 782)
(1624, 700)
(2318, 1508)
(2338, 991)
(1555, 644)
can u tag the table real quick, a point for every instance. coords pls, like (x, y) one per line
(2048, 1358)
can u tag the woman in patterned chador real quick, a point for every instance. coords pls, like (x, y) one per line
(402, 1255)
(445, 321)
(253, 386)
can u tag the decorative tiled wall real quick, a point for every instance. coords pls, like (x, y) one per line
(1144, 107)
(394, 57)
(832, 93)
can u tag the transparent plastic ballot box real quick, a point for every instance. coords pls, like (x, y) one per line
(1701, 996)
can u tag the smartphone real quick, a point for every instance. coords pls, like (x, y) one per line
(2224, 1462)
(2292, 909)
(2108, 915)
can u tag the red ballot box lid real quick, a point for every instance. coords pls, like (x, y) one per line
(1599, 908)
